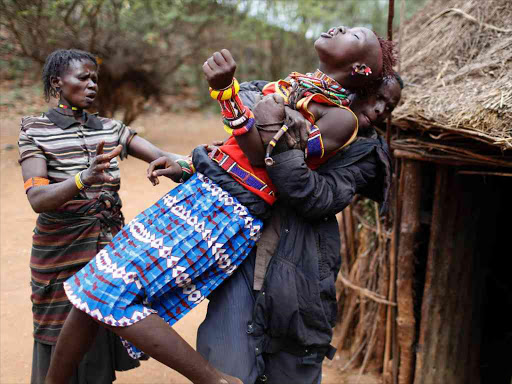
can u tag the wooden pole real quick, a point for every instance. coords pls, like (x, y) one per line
(392, 254)
(400, 34)
(391, 15)
(383, 287)
(391, 312)
(409, 230)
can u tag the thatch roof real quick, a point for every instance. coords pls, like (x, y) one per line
(457, 65)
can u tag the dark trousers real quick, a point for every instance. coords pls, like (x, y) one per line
(223, 340)
(99, 365)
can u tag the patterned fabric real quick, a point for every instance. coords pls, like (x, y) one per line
(239, 173)
(231, 149)
(69, 147)
(315, 146)
(167, 259)
(82, 230)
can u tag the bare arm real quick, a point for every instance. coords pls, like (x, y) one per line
(46, 198)
(337, 125)
(144, 150)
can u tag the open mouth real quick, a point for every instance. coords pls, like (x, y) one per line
(334, 31)
(330, 33)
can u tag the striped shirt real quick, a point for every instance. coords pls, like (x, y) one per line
(66, 239)
(69, 147)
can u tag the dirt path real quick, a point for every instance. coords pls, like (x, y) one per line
(17, 221)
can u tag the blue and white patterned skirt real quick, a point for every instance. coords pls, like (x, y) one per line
(168, 258)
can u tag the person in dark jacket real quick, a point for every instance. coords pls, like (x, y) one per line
(272, 320)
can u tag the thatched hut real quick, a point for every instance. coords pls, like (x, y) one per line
(426, 299)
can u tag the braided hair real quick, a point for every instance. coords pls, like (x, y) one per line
(389, 56)
(57, 63)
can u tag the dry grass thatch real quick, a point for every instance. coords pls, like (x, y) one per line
(457, 65)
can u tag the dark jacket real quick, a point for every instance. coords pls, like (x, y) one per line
(296, 309)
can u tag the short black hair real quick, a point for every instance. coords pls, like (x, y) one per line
(394, 76)
(57, 63)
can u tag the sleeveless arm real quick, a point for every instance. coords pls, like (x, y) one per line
(338, 128)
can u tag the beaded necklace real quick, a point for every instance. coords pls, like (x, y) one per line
(319, 82)
(63, 106)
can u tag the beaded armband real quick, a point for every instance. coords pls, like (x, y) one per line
(315, 146)
(187, 169)
(240, 125)
(238, 119)
(225, 93)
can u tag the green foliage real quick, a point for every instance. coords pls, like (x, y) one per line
(157, 47)
(311, 17)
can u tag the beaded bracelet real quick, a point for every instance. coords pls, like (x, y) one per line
(232, 108)
(245, 129)
(225, 93)
(240, 127)
(187, 169)
(239, 120)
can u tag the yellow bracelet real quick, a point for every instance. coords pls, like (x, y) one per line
(78, 181)
(228, 130)
(226, 93)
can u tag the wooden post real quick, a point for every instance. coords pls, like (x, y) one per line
(398, 185)
(446, 345)
(381, 317)
(409, 230)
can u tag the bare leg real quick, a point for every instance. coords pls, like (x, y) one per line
(74, 341)
(155, 337)
(152, 335)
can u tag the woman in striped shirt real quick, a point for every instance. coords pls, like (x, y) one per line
(74, 185)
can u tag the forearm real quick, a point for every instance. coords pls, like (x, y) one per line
(251, 145)
(144, 150)
(47, 198)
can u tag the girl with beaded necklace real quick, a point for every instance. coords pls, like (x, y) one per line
(172, 255)
(349, 57)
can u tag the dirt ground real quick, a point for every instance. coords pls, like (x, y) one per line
(172, 132)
